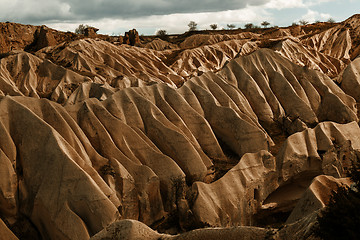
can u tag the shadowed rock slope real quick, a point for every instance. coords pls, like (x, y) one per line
(244, 130)
(106, 62)
(327, 48)
(158, 154)
(25, 74)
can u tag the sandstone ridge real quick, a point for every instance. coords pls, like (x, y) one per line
(204, 136)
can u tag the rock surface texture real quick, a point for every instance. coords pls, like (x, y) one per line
(207, 136)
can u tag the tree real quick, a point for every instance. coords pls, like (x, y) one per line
(303, 22)
(294, 24)
(192, 26)
(81, 29)
(331, 20)
(162, 34)
(265, 24)
(249, 26)
(213, 26)
(231, 26)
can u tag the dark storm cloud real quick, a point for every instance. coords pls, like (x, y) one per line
(55, 10)
(140, 8)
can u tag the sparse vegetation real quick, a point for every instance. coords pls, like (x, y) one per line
(192, 26)
(162, 34)
(81, 29)
(107, 170)
(249, 26)
(265, 24)
(213, 26)
(231, 26)
(340, 219)
(303, 22)
(331, 20)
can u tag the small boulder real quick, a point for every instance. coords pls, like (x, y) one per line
(90, 32)
(131, 38)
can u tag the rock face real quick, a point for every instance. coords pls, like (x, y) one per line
(15, 36)
(5, 232)
(298, 53)
(350, 79)
(236, 197)
(317, 196)
(276, 88)
(326, 148)
(193, 62)
(43, 38)
(90, 32)
(160, 45)
(105, 140)
(133, 230)
(56, 153)
(127, 230)
(25, 74)
(131, 38)
(120, 66)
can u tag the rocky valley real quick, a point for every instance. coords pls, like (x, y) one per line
(240, 134)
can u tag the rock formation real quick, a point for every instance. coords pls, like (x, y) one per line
(131, 38)
(5, 232)
(43, 37)
(316, 196)
(90, 32)
(232, 133)
(15, 36)
(350, 79)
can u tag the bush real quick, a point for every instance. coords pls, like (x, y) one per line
(341, 218)
(231, 26)
(81, 29)
(249, 26)
(265, 24)
(303, 22)
(162, 34)
(213, 26)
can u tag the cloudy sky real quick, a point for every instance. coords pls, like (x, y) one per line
(114, 17)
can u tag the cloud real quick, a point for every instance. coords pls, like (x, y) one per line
(33, 11)
(317, 2)
(286, 4)
(116, 16)
(173, 23)
(312, 16)
(283, 4)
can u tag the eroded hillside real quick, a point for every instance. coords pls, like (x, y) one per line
(250, 130)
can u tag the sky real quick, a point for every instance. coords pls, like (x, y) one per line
(114, 17)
